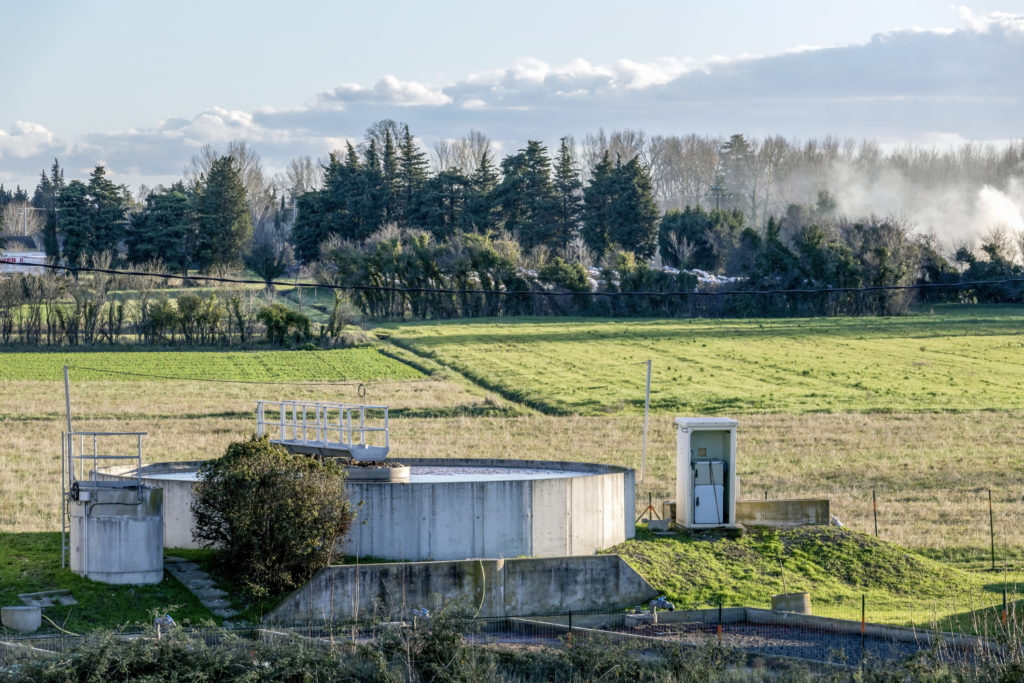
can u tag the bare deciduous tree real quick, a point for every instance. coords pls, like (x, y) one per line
(20, 218)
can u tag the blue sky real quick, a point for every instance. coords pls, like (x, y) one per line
(140, 86)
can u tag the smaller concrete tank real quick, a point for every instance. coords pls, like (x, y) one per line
(117, 533)
(114, 529)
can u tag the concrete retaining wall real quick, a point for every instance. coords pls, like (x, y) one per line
(487, 588)
(783, 513)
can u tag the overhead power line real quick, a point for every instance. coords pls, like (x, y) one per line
(532, 292)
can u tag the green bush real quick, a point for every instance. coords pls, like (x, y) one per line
(284, 324)
(276, 515)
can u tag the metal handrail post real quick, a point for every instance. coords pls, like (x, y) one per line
(387, 431)
(95, 465)
(63, 497)
(362, 425)
(281, 430)
(138, 467)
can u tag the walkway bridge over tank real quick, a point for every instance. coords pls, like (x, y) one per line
(331, 430)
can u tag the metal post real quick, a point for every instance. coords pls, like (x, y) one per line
(719, 620)
(67, 398)
(874, 508)
(63, 497)
(647, 413)
(863, 624)
(992, 529)
(570, 628)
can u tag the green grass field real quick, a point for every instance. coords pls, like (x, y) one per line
(362, 363)
(957, 360)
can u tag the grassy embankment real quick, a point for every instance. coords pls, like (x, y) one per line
(923, 409)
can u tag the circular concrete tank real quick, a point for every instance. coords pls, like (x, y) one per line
(117, 533)
(453, 509)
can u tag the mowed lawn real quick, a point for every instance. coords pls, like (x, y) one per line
(962, 359)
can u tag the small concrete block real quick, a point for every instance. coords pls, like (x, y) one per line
(186, 577)
(657, 524)
(634, 620)
(22, 618)
(224, 613)
(48, 598)
(181, 566)
(215, 604)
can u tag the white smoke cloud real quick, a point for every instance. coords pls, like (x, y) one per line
(956, 213)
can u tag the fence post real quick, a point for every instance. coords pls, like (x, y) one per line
(570, 628)
(992, 530)
(719, 621)
(874, 509)
(863, 624)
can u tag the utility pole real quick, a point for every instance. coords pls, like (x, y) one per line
(718, 190)
(647, 414)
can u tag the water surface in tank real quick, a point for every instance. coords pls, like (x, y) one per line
(437, 474)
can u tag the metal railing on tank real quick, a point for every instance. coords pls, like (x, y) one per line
(343, 427)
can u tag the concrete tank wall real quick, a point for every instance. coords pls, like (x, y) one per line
(116, 537)
(573, 515)
(178, 520)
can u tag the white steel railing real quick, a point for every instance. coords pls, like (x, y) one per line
(344, 426)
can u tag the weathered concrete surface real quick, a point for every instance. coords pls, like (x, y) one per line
(783, 513)
(799, 603)
(486, 587)
(452, 521)
(178, 519)
(116, 537)
(22, 618)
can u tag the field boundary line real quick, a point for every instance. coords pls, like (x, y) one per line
(468, 377)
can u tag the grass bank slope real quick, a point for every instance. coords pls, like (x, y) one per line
(836, 566)
(947, 360)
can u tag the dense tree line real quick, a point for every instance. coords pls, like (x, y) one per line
(565, 233)
(96, 309)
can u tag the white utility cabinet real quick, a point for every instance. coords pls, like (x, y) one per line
(706, 483)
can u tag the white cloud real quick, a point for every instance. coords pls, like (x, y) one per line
(994, 20)
(24, 139)
(387, 91)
